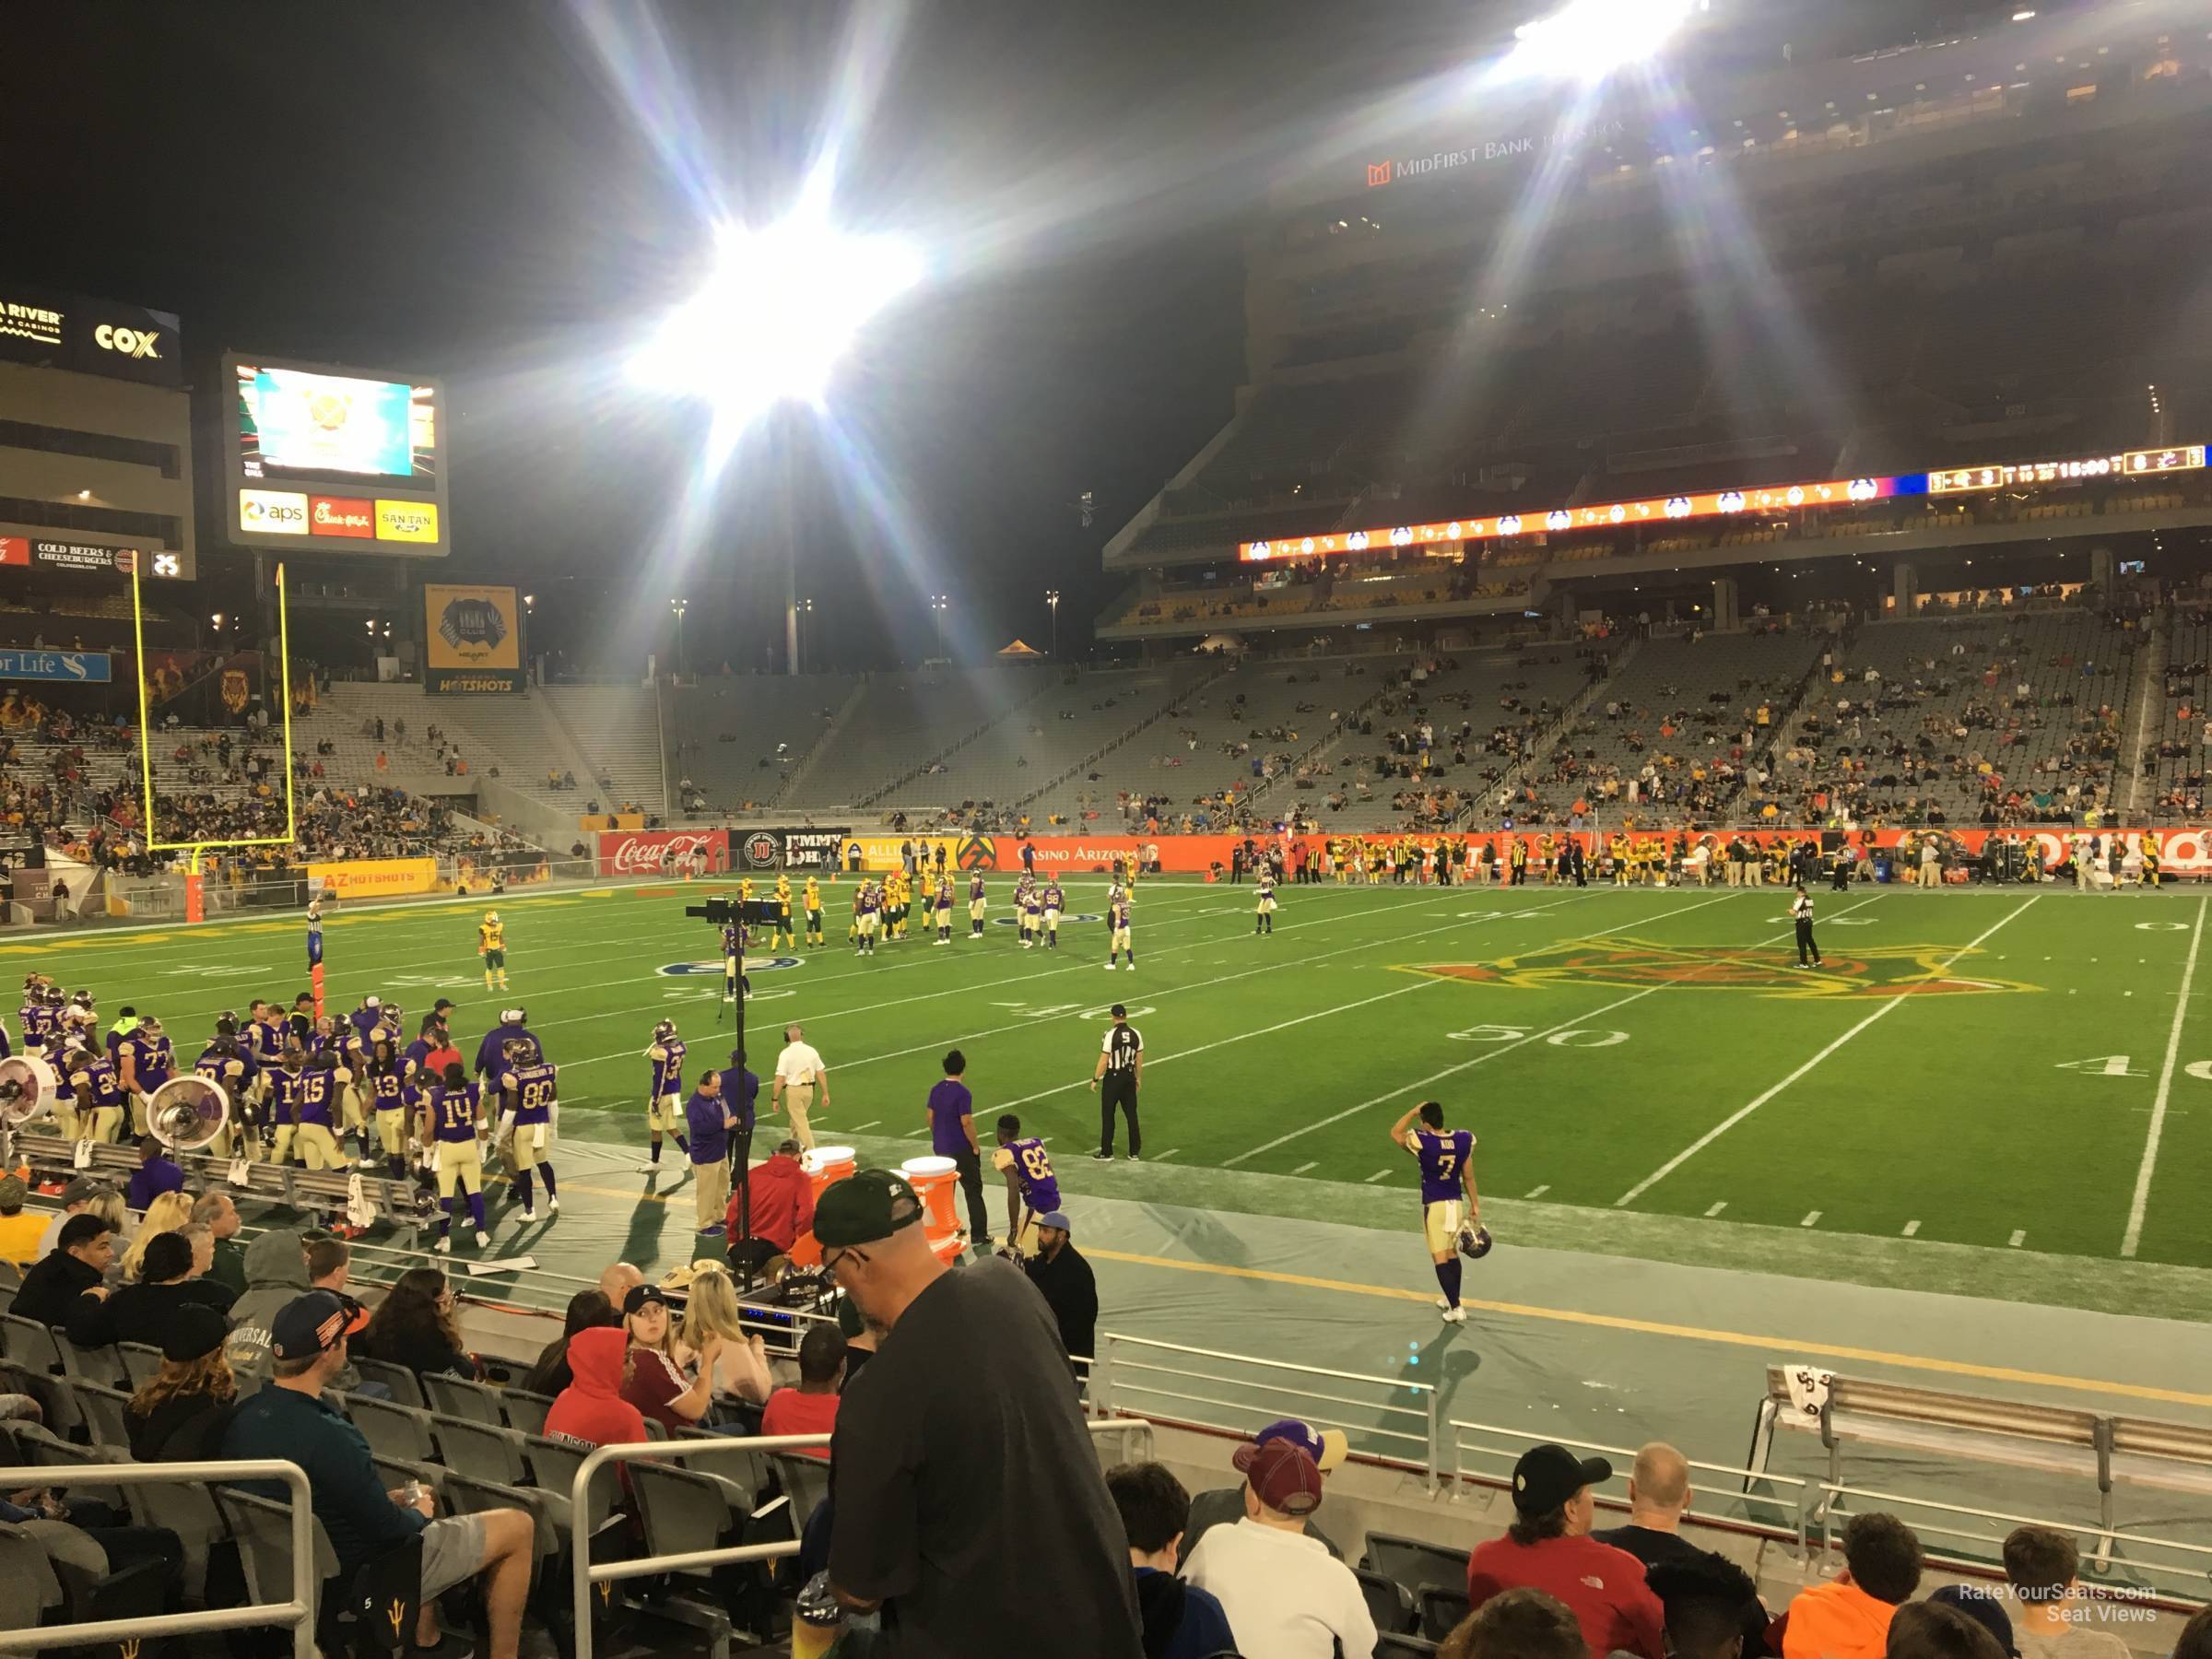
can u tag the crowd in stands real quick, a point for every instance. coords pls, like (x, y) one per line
(933, 1483)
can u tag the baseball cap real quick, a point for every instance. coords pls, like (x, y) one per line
(310, 1324)
(1548, 1475)
(1119, 1010)
(867, 1207)
(192, 1330)
(1056, 1219)
(1326, 1447)
(789, 1148)
(1283, 1475)
(83, 1190)
(642, 1294)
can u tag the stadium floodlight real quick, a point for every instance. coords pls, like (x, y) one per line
(1588, 39)
(782, 306)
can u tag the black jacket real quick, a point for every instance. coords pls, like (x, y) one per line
(140, 1312)
(53, 1288)
(182, 1429)
(1072, 1293)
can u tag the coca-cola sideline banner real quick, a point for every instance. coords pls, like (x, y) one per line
(654, 851)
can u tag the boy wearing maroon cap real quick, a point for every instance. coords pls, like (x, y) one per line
(1285, 1595)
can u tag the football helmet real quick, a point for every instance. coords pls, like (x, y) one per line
(1474, 1242)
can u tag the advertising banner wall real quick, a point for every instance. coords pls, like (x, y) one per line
(790, 849)
(475, 637)
(652, 852)
(48, 327)
(78, 668)
(374, 877)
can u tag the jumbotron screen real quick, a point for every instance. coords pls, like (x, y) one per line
(300, 423)
(331, 458)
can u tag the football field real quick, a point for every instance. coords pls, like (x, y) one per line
(2011, 1069)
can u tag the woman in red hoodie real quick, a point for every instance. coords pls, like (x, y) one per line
(591, 1411)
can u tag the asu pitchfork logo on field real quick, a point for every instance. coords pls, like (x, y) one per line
(753, 964)
(1640, 964)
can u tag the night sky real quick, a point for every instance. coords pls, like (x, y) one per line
(506, 195)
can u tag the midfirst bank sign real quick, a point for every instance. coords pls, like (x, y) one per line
(1489, 151)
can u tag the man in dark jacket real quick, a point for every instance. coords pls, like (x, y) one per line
(141, 1312)
(1069, 1289)
(76, 1269)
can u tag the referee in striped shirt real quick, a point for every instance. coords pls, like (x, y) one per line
(1120, 1069)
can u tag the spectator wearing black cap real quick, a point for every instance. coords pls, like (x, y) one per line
(1548, 1547)
(76, 1269)
(1181, 1621)
(1521, 1624)
(82, 1193)
(1285, 1595)
(182, 1415)
(139, 1309)
(289, 1420)
(939, 1483)
(1069, 1287)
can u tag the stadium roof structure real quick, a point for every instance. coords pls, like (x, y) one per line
(1019, 651)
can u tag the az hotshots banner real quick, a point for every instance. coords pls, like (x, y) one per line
(475, 637)
(654, 852)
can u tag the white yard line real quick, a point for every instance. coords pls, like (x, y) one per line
(1912, 1229)
(2020, 1237)
(2140, 1206)
(1537, 1191)
(1378, 1175)
(1716, 1209)
(1163, 1157)
(1812, 1218)
(1734, 1118)
(1304, 1167)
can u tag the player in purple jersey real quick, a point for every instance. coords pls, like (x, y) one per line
(1449, 1205)
(1032, 1190)
(975, 904)
(943, 908)
(1054, 903)
(664, 1095)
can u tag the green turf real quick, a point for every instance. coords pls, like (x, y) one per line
(1930, 1076)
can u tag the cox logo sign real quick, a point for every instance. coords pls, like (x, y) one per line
(128, 342)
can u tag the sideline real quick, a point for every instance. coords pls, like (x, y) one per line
(2140, 1207)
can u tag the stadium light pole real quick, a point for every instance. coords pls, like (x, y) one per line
(1588, 39)
(939, 606)
(679, 606)
(1051, 603)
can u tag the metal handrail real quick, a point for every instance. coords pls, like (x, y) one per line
(299, 1612)
(1110, 1364)
(588, 1574)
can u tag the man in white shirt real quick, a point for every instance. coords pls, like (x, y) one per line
(1285, 1595)
(802, 1083)
(2050, 1617)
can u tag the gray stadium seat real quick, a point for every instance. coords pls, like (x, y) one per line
(141, 1362)
(1388, 1602)
(407, 1388)
(683, 1511)
(1441, 1610)
(554, 1465)
(480, 1451)
(524, 1410)
(188, 1509)
(1414, 1565)
(102, 1365)
(806, 1479)
(460, 1397)
(393, 1430)
(263, 1528)
(106, 1412)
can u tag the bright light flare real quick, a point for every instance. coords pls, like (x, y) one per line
(783, 305)
(1588, 39)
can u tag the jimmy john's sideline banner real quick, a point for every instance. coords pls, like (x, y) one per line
(373, 878)
(790, 849)
(473, 636)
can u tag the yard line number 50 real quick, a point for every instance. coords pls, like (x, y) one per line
(1578, 1038)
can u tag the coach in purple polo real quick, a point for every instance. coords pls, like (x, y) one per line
(952, 1135)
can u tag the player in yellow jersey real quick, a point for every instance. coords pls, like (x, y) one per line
(745, 891)
(1617, 847)
(492, 945)
(811, 903)
(785, 934)
(2148, 846)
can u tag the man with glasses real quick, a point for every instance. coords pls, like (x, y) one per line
(936, 1481)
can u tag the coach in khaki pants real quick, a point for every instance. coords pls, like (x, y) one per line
(711, 1122)
(802, 1083)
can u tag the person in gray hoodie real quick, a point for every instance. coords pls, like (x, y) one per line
(276, 1274)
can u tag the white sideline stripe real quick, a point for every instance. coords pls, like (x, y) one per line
(1811, 1217)
(1567, 1024)
(1162, 1157)
(1378, 1175)
(1716, 1209)
(1737, 1116)
(1912, 1228)
(2020, 1237)
(1304, 1167)
(1537, 1191)
(2140, 1206)
(859, 1128)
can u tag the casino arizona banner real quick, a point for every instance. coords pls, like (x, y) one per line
(475, 637)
